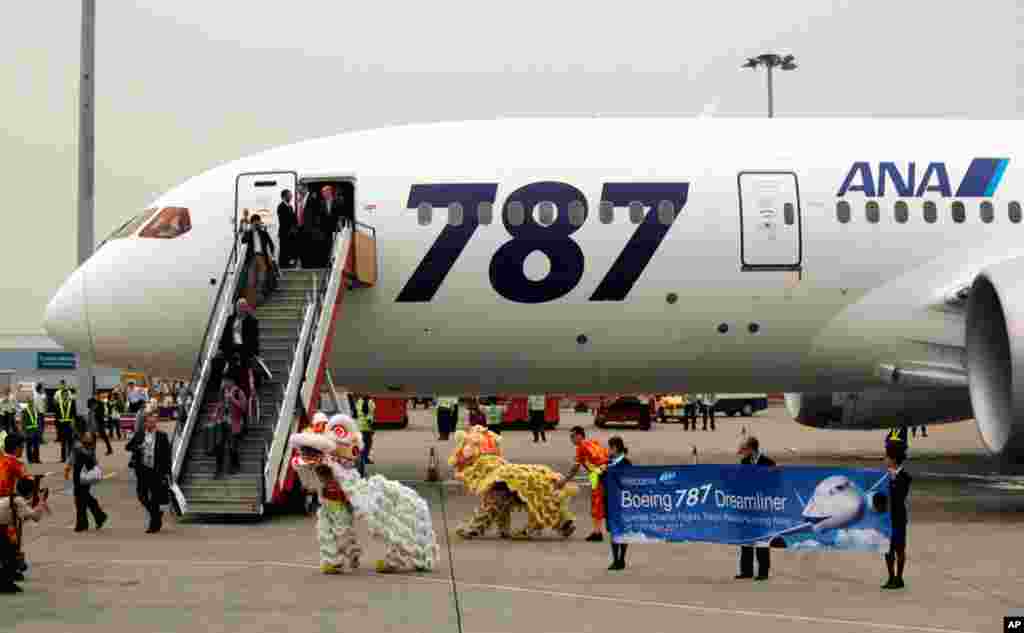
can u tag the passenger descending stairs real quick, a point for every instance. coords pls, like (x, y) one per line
(296, 325)
(280, 320)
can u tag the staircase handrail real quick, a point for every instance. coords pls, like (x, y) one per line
(324, 296)
(326, 299)
(222, 308)
(285, 413)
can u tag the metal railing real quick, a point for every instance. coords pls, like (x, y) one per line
(325, 307)
(307, 357)
(285, 413)
(222, 308)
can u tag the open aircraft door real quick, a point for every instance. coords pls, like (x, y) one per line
(261, 193)
(770, 224)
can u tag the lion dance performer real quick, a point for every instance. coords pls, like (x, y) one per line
(503, 487)
(326, 457)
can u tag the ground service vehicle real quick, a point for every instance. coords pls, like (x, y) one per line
(391, 413)
(625, 409)
(746, 404)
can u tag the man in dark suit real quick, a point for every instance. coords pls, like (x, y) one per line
(240, 343)
(314, 231)
(750, 451)
(287, 230)
(151, 451)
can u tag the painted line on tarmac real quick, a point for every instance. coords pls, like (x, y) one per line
(541, 592)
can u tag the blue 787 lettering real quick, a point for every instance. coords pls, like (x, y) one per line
(555, 240)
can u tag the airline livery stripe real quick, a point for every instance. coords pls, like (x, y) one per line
(982, 177)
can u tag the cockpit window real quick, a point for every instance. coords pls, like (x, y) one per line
(168, 224)
(132, 225)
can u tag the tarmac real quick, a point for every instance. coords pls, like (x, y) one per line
(964, 570)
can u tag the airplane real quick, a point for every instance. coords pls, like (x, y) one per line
(868, 268)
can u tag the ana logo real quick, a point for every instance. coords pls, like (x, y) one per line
(669, 476)
(980, 181)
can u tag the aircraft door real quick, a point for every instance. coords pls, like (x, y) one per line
(260, 194)
(770, 224)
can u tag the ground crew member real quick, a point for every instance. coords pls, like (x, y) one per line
(31, 426)
(750, 451)
(899, 489)
(689, 412)
(593, 457)
(66, 416)
(8, 411)
(447, 416)
(537, 422)
(494, 413)
(366, 412)
(707, 408)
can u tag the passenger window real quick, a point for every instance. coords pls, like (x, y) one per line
(545, 213)
(424, 213)
(577, 213)
(843, 211)
(666, 212)
(516, 213)
(606, 211)
(1014, 212)
(485, 213)
(872, 212)
(636, 212)
(168, 224)
(988, 212)
(959, 212)
(902, 212)
(455, 213)
(931, 214)
(789, 213)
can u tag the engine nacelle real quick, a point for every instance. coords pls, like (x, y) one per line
(880, 408)
(995, 356)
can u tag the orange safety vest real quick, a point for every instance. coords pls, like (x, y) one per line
(488, 446)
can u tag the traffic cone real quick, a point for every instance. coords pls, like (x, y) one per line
(433, 471)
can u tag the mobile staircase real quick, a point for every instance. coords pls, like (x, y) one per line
(296, 326)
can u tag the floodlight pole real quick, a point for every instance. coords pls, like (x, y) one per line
(86, 170)
(770, 61)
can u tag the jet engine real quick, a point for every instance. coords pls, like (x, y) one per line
(995, 356)
(880, 408)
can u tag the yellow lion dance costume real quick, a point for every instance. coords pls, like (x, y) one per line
(503, 487)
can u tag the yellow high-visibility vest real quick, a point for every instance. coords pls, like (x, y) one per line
(64, 403)
(32, 418)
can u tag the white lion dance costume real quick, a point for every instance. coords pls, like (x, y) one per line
(394, 513)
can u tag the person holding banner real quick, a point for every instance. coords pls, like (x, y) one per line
(616, 459)
(899, 489)
(593, 457)
(750, 451)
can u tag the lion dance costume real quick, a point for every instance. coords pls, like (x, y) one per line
(394, 513)
(503, 487)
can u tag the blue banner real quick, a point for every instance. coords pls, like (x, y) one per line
(794, 507)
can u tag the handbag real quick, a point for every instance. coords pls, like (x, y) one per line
(91, 476)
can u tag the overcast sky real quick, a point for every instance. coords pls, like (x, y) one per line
(184, 85)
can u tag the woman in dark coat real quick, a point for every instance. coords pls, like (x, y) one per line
(616, 459)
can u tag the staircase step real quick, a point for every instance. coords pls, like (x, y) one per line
(226, 508)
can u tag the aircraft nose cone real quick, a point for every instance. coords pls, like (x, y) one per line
(65, 319)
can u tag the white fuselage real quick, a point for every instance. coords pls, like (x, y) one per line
(863, 296)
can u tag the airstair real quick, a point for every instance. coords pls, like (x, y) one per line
(296, 324)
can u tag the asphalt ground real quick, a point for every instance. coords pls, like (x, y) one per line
(964, 570)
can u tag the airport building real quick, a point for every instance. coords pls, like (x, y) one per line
(36, 358)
